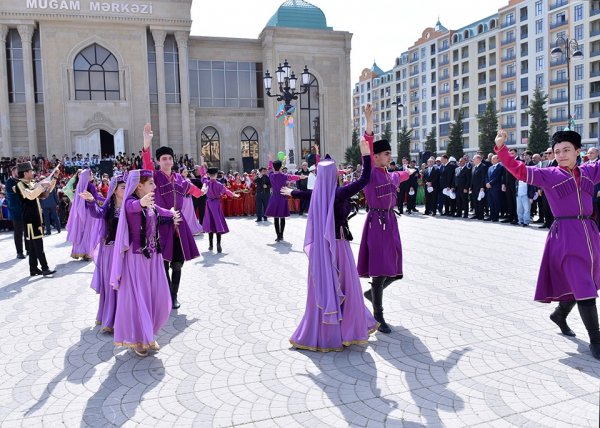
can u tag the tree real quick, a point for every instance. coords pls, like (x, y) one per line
(404, 136)
(387, 133)
(352, 154)
(455, 141)
(539, 137)
(488, 127)
(431, 143)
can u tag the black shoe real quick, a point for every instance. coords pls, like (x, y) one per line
(383, 326)
(473, 217)
(264, 219)
(538, 221)
(505, 220)
(48, 273)
(219, 249)
(560, 320)
(487, 219)
(595, 348)
(176, 304)
(258, 219)
(495, 221)
(210, 247)
(35, 273)
(20, 256)
(47, 234)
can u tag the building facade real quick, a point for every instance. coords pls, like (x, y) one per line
(83, 76)
(503, 57)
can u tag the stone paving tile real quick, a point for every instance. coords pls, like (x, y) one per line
(469, 346)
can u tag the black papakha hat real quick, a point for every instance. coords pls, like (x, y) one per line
(381, 146)
(24, 167)
(570, 136)
(212, 170)
(164, 150)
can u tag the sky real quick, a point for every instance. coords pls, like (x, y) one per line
(382, 29)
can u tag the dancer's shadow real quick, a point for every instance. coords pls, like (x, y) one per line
(210, 259)
(349, 378)
(85, 356)
(583, 361)
(9, 263)
(11, 290)
(283, 247)
(129, 379)
(427, 378)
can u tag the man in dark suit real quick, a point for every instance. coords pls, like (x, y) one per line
(447, 182)
(494, 178)
(431, 178)
(15, 213)
(544, 206)
(263, 193)
(510, 196)
(412, 181)
(462, 183)
(478, 175)
(403, 188)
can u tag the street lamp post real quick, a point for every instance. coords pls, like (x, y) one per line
(398, 105)
(570, 48)
(287, 82)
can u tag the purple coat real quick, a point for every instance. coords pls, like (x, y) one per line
(570, 267)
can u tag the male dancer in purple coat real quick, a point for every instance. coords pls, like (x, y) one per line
(380, 253)
(177, 240)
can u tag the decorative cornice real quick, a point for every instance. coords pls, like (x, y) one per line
(98, 118)
(7, 16)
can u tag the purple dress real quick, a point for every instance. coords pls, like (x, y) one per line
(82, 228)
(144, 299)
(353, 322)
(187, 211)
(278, 203)
(380, 252)
(169, 193)
(214, 220)
(570, 267)
(101, 280)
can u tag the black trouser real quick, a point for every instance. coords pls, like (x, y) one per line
(279, 226)
(19, 236)
(201, 208)
(411, 205)
(462, 202)
(431, 201)
(479, 206)
(495, 203)
(304, 205)
(50, 219)
(511, 204)
(545, 208)
(262, 200)
(36, 254)
(176, 265)
(449, 204)
(401, 195)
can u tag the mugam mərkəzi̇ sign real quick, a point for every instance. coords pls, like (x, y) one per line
(92, 6)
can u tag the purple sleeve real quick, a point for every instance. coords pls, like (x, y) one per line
(353, 188)
(95, 210)
(92, 189)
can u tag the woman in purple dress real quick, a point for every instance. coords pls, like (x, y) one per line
(109, 214)
(335, 314)
(214, 220)
(187, 209)
(82, 228)
(138, 273)
(278, 204)
(570, 271)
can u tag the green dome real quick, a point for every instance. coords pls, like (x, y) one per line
(299, 14)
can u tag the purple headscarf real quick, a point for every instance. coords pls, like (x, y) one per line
(114, 182)
(320, 245)
(81, 227)
(122, 235)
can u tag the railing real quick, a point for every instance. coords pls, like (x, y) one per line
(509, 57)
(444, 91)
(492, 78)
(508, 125)
(594, 12)
(558, 61)
(509, 74)
(558, 4)
(481, 49)
(524, 35)
(507, 41)
(524, 106)
(508, 108)
(558, 100)
(524, 70)
(444, 77)
(594, 33)
(482, 65)
(594, 94)
(482, 97)
(594, 114)
(508, 91)
(557, 24)
(414, 73)
(443, 62)
(557, 119)
(506, 24)
(414, 86)
(443, 48)
(414, 99)
(481, 82)
(558, 81)
(595, 53)
(444, 105)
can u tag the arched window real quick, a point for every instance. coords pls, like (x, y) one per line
(455, 38)
(480, 29)
(210, 147)
(96, 74)
(492, 23)
(310, 122)
(249, 140)
(466, 34)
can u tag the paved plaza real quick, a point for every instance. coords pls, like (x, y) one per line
(469, 346)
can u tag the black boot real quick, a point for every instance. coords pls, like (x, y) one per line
(174, 286)
(219, 249)
(559, 317)
(210, 241)
(377, 294)
(589, 316)
(388, 280)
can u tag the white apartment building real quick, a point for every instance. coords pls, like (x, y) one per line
(502, 56)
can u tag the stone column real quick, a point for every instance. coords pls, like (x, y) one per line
(4, 108)
(184, 88)
(26, 33)
(159, 45)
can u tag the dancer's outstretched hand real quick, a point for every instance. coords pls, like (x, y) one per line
(148, 134)
(286, 191)
(501, 138)
(87, 196)
(147, 200)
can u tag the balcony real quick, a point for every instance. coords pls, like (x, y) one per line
(509, 57)
(558, 81)
(481, 49)
(492, 78)
(508, 74)
(509, 91)
(524, 35)
(414, 73)
(560, 99)
(443, 62)
(558, 23)
(481, 82)
(594, 73)
(507, 24)
(444, 76)
(492, 62)
(594, 94)
(558, 3)
(594, 114)
(481, 65)
(508, 108)
(414, 86)
(509, 125)
(558, 119)
(593, 134)
(558, 61)
(444, 48)
(594, 12)
(444, 105)
(414, 99)
(507, 41)
(594, 33)
(444, 91)
(595, 52)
